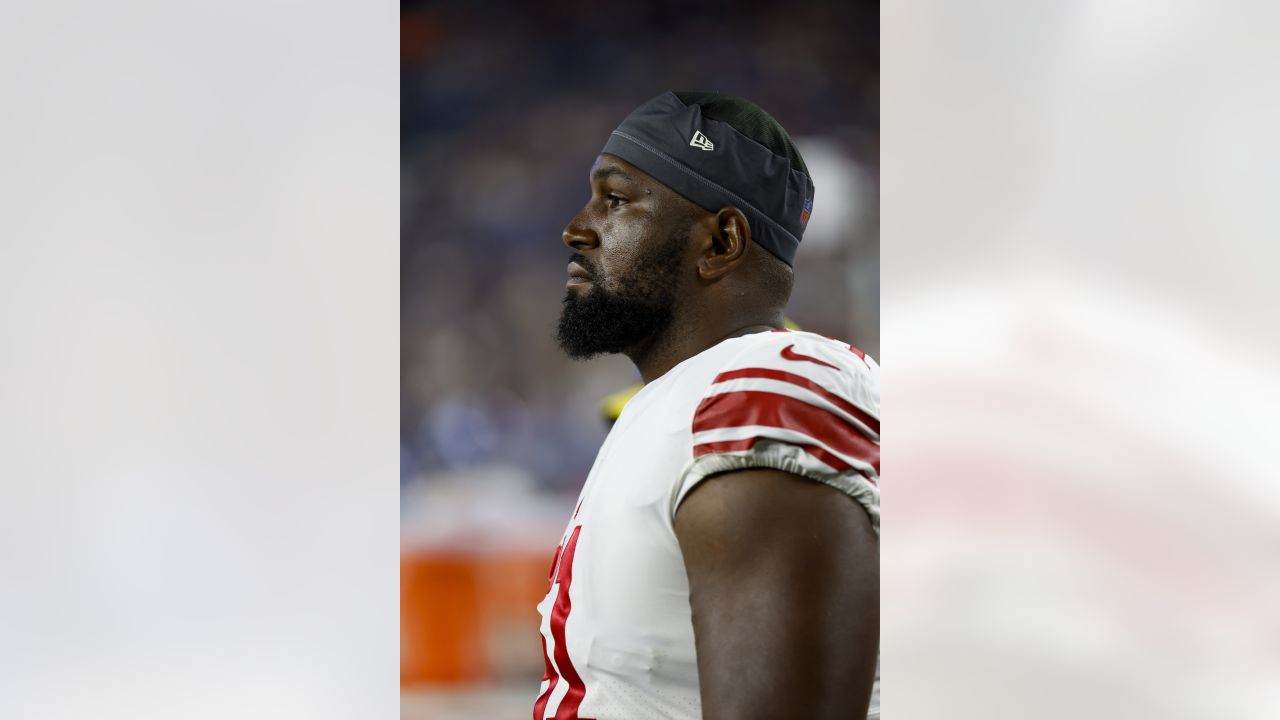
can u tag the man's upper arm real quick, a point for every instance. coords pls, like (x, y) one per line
(784, 586)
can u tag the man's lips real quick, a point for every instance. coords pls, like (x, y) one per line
(578, 275)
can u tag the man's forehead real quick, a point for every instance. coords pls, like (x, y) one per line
(607, 165)
(611, 167)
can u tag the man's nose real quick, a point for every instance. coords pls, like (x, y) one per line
(578, 236)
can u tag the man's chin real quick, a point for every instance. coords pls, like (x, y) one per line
(592, 324)
(579, 348)
(578, 342)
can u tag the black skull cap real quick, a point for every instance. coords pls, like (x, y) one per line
(717, 150)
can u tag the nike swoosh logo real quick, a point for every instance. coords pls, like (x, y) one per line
(790, 354)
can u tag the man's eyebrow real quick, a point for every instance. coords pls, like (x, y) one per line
(609, 171)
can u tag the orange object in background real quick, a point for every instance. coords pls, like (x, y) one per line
(470, 616)
(441, 631)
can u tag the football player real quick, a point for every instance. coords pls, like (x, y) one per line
(722, 560)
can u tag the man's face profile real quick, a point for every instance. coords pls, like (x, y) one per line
(628, 255)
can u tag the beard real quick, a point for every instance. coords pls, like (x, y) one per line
(640, 307)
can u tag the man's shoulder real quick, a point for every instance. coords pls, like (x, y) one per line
(795, 402)
(827, 361)
(774, 361)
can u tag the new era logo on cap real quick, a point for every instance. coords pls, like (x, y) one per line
(804, 212)
(700, 141)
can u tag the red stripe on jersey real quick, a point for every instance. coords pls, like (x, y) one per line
(568, 709)
(555, 561)
(749, 407)
(550, 674)
(562, 573)
(806, 383)
(551, 677)
(726, 446)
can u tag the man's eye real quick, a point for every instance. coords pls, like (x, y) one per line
(614, 200)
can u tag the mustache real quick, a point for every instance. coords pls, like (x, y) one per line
(584, 262)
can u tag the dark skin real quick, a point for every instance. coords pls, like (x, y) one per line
(629, 210)
(783, 571)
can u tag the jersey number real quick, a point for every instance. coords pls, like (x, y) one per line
(561, 576)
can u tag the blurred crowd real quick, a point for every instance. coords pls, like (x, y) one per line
(505, 106)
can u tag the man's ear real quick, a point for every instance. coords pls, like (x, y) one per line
(730, 236)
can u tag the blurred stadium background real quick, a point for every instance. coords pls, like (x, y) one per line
(504, 106)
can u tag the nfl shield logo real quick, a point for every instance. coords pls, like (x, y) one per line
(804, 214)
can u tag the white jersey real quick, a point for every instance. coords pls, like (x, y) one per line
(617, 628)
